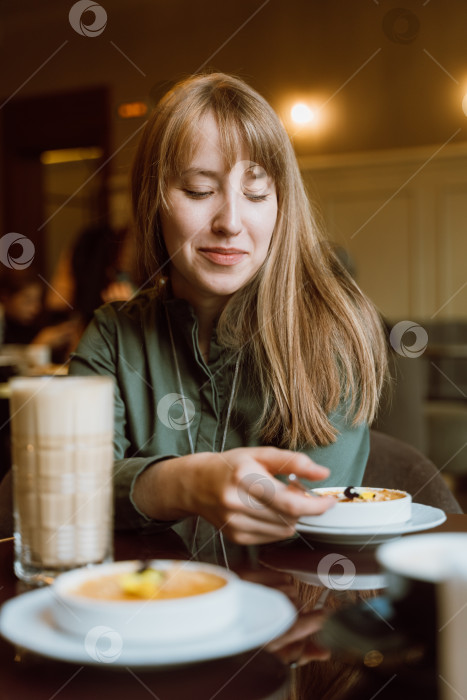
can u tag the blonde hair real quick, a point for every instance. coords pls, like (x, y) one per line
(314, 342)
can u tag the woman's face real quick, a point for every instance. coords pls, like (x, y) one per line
(219, 222)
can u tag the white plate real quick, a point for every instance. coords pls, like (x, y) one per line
(27, 622)
(357, 582)
(423, 518)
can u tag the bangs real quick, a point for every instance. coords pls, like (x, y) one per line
(243, 120)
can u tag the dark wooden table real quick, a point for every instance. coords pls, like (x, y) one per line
(294, 667)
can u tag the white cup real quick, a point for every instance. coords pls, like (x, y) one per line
(62, 457)
(427, 583)
(452, 604)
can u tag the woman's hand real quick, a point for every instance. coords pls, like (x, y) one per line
(297, 645)
(235, 490)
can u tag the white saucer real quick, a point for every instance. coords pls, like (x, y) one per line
(265, 614)
(423, 518)
(357, 582)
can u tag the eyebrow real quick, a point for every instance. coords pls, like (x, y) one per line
(213, 174)
(200, 171)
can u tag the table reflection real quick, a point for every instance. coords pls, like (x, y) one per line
(333, 651)
(320, 581)
(363, 645)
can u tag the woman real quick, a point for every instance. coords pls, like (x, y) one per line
(96, 269)
(24, 320)
(254, 354)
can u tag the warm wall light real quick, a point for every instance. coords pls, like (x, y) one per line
(301, 113)
(305, 115)
(464, 104)
(70, 155)
(130, 110)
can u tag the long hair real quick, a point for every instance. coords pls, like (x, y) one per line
(314, 342)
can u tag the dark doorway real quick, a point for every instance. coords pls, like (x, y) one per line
(35, 125)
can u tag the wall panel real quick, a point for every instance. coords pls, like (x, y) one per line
(402, 216)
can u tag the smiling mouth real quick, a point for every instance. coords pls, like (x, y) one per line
(224, 251)
(223, 256)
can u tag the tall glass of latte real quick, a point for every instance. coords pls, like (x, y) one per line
(62, 456)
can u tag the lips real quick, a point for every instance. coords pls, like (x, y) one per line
(223, 256)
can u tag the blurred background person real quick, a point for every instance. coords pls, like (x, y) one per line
(97, 269)
(24, 319)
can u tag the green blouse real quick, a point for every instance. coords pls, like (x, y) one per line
(130, 341)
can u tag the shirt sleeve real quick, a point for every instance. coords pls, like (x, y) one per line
(97, 354)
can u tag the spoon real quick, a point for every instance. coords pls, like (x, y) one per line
(294, 480)
(144, 565)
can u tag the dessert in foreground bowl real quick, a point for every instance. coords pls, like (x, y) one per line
(361, 506)
(160, 600)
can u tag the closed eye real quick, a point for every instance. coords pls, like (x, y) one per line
(196, 195)
(256, 197)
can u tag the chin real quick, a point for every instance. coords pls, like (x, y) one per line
(224, 291)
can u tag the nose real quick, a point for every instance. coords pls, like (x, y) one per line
(227, 220)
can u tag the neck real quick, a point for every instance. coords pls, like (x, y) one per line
(206, 316)
(207, 310)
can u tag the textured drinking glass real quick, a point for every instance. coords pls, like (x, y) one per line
(62, 457)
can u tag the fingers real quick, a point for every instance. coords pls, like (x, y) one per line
(297, 644)
(265, 497)
(278, 461)
(243, 529)
(306, 625)
(238, 492)
(301, 653)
